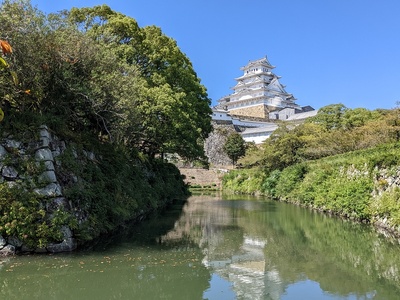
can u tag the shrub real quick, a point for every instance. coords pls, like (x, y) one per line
(246, 181)
(24, 217)
(269, 184)
(289, 179)
(387, 206)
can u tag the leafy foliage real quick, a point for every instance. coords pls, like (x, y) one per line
(170, 101)
(235, 146)
(289, 179)
(4, 68)
(330, 116)
(243, 181)
(334, 130)
(387, 207)
(22, 216)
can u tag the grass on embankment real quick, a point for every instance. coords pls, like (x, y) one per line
(363, 184)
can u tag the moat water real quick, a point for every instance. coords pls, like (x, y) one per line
(216, 247)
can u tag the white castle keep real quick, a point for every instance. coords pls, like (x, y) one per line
(257, 101)
(257, 92)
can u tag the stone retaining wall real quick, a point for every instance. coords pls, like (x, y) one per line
(214, 144)
(257, 111)
(45, 152)
(203, 177)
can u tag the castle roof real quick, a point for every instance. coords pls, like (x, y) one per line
(302, 116)
(262, 61)
(268, 128)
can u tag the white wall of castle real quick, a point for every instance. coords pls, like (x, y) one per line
(257, 138)
(221, 115)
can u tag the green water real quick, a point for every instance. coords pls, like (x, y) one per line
(214, 248)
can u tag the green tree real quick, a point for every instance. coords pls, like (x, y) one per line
(253, 156)
(330, 116)
(172, 104)
(393, 121)
(235, 147)
(312, 137)
(74, 89)
(21, 25)
(358, 117)
(281, 149)
(186, 115)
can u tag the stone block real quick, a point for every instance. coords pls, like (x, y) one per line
(58, 203)
(41, 250)
(66, 231)
(56, 152)
(16, 242)
(7, 250)
(44, 141)
(44, 132)
(9, 173)
(49, 165)
(3, 242)
(47, 176)
(51, 190)
(44, 154)
(3, 152)
(12, 144)
(66, 245)
(25, 248)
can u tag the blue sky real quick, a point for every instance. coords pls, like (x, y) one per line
(327, 51)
